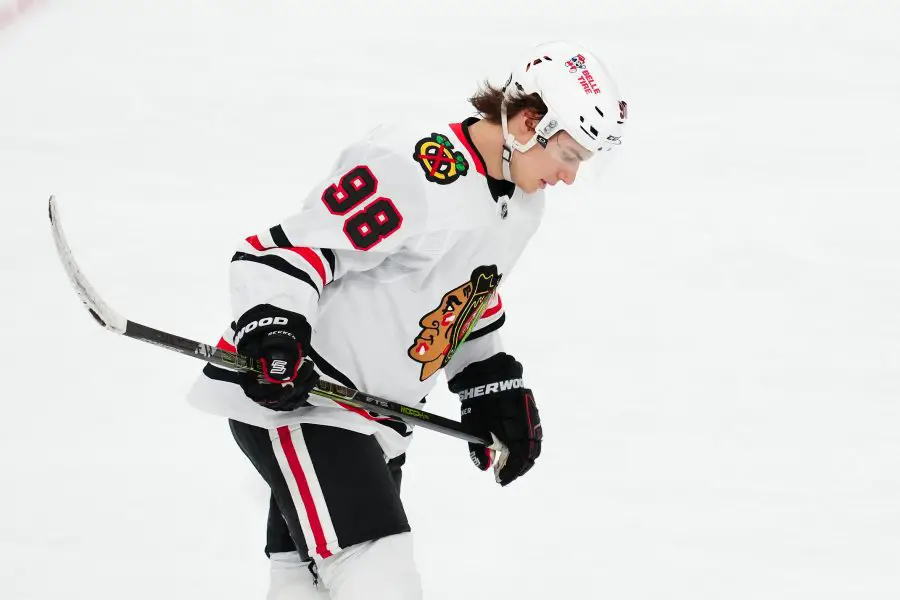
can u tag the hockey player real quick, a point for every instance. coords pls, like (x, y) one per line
(389, 273)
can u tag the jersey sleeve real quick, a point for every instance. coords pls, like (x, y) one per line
(370, 205)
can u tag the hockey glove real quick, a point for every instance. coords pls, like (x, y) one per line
(277, 338)
(495, 401)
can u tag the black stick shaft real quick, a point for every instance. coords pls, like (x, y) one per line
(332, 391)
(109, 319)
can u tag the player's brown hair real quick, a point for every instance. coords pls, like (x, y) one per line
(487, 101)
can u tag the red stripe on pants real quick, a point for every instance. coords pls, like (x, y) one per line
(287, 444)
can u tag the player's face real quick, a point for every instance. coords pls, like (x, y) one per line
(540, 166)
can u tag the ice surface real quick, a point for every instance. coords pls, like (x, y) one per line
(713, 334)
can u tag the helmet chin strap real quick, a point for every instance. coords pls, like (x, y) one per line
(510, 144)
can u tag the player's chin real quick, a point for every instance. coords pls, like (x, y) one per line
(531, 186)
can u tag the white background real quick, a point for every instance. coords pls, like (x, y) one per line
(712, 333)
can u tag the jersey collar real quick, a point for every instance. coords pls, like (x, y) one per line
(498, 187)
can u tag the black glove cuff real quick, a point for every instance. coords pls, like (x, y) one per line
(500, 372)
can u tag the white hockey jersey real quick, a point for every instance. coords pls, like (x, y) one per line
(396, 260)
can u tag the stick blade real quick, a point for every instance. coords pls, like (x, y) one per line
(102, 313)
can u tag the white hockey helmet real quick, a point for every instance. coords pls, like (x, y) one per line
(581, 97)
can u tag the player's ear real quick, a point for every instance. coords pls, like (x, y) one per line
(531, 120)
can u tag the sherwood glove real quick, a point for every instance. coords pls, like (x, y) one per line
(277, 338)
(495, 401)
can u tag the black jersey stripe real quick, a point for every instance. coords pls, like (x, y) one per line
(220, 374)
(279, 264)
(399, 426)
(329, 256)
(226, 376)
(489, 329)
(330, 370)
(279, 237)
(326, 368)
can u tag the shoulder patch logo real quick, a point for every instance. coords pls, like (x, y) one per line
(440, 162)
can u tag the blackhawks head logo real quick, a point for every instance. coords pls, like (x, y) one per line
(446, 327)
(440, 162)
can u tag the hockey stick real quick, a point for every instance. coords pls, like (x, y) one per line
(113, 321)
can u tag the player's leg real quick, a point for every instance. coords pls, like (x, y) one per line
(375, 560)
(290, 579)
(340, 500)
(382, 569)
(292, 575)
(395, 466)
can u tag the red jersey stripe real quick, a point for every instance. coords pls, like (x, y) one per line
(308, 255)
(362, 413)
(253, 240)
(494, 309)
(313, 259)
(223, 345)
(458, 131)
